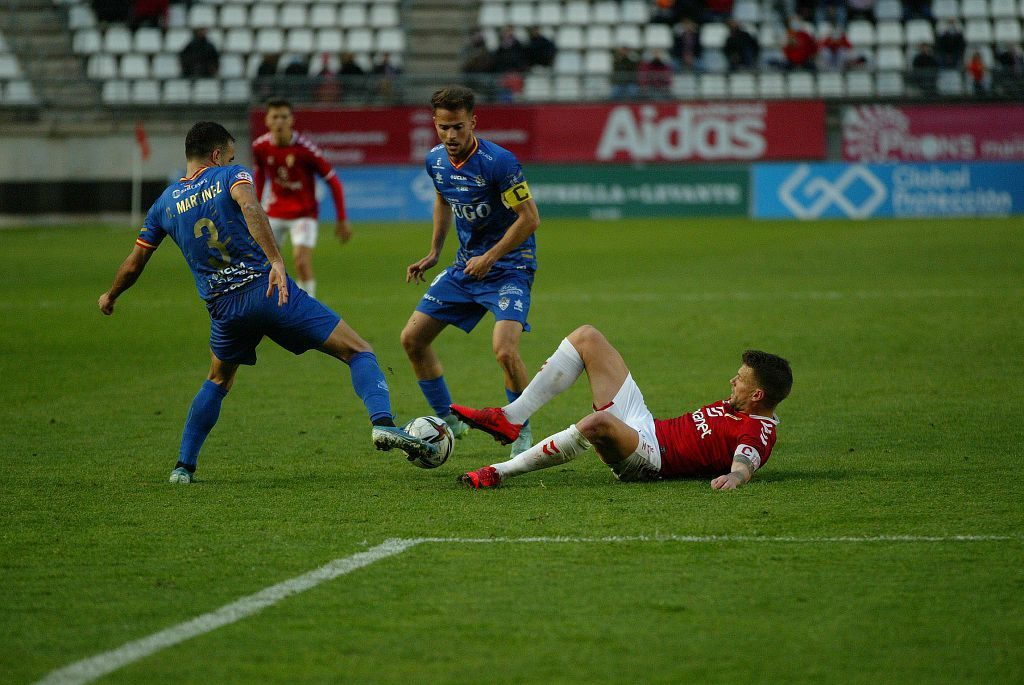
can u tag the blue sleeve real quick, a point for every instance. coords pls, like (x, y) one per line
(508, 172)
(152, 231)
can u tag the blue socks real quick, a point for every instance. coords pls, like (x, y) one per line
(438, 397)
(202, 417)
(512, 396)
(369, 383)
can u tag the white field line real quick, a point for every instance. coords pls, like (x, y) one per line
(94, 667)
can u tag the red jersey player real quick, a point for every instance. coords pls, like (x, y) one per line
(292, 162)
(726, 441)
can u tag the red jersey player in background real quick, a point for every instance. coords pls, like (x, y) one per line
(292, 162)
(726, 441)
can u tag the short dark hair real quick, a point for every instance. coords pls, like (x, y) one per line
(772, 374)
(453, 98)
(280, 102)
(204, 137)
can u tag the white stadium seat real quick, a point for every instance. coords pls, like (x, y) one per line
(746, 12)
(300, 41)
(134, 67)
(1003, 9)
(239, 40)
(148, 40)
(889, 10)
(263, 16)
(599, 37)
(605, 13)
(87, 42)
(974, 9)
(800, 84)
(145, 92)
(1007, 31)
(202, 16)
(234, 16)
(323, 16)
(567, 88)
(359, 40)
(889, 33)
(950, 82)
(292, 16)
(861, 33)
(629, 36)
(231, 66)
(176, 39)
(978, 31)
(568, 62)
(771, 85)
(206, 91)
(81, 17)
(890, 84)
(577, 12)
(889, 58)
(390, 40)
(830, 84)
(328, 40)
(657, 37)
(919, 31)
(19, 93)
(115, 92)
(634, 12)
(597, 87)
(166, 65)
(945, 9)
(236, 91)
(492, 16)
(384, 16)
(269, 40)
(177, 91)
(101, 67)
(117, 40)
(597, 62)
(742, 86)
(684, 86)
(713, 35)
(521, 14)
(570, 38)
(860, 84)
(713, 86)
(352, 16)
(549, 14)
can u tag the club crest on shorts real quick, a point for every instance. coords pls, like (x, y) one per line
(503, 303)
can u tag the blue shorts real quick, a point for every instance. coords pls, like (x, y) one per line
(239, 321)
(462, 300)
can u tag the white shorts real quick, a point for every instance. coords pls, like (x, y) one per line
(629, 407)
(303, 231)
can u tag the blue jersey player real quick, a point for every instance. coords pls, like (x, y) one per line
(217, 222)
(481, 186)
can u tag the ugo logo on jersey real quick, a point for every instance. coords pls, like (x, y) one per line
(472, 212)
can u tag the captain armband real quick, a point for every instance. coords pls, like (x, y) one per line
(745, 454)
(516, 195)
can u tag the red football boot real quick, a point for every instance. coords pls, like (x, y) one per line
(486, 477)
(490, 420)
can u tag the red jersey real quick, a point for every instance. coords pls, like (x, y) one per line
(704, 442)
(292, 170)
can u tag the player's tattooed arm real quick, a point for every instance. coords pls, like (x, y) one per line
(256, 220)
(740, 474)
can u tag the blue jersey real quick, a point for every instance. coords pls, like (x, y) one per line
(482, 190)
(207, 224)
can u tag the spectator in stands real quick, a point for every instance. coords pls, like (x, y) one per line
(741, 47)
(976, 69)
(655, 76)
(800, 48)
(199, 58)
(1006, 77)
(686, 48)
(111, 11)
(510, 55)
(665, 12)
(349, 66)
(950, 44)
(149, 13)
(625, 66)
(860, 9)
(266, 76)
(924, 69)
(476, 58)
(917, 9)
(353, 76)
(831, 12)
(540, 50)
(717, 10)
(297, 67)
(326, 87)
(836, 51)
(385, 72)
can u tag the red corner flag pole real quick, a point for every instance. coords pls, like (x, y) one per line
(137, 160)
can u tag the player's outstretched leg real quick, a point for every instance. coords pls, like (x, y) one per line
(490, 420)
(202, 417)
(391, 437)
(553, 450)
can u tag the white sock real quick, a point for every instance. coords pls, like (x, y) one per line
(309, 286)
(559, 372)
(551, 451)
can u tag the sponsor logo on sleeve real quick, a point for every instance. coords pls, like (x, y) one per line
(244, 176)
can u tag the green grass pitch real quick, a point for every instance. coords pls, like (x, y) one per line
(839, 563)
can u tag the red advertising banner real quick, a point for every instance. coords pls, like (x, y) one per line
(891, 133)
(678, 132)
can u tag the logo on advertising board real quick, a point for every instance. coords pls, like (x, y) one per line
(809, 196)
(882, 133)
(712, 132)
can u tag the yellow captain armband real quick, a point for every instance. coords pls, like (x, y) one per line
(516, 195)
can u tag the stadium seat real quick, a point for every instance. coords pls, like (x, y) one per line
(166, 65)
(570, 38)
(714, 61)
(577, 12)
(202, 16)
(292, 16)
(861, 33)
(101, 67)
(236, 91)
(263, 16)
(605, 12)
(712, 87)
(889, 58)
(177, 16)
(384, 16)
(860, 84)
(634, 12)
(657, 37)
(888, 33)
(359, 40)
(628, 36)
(81, 17)
(115, 92)
(599, 37)
(1007, 31)
(177, 91)
(768, 36)
(945, 9)
(919, 31)
(568, 62)
(597, 87)
(328, 40)
(549, 14)
(746, 12)
(231, 66)
(978, 31)
(950, 82)
(148, 41)
(239, 40)
(492, 16)
(537, 88)
(974, 9)
(117, 40)
(713, 35)
(134, 66)
(889, 10)
(176, 39)
(206, 91)
(567, 88)
(269, 40)
(684, 86)
(771, 85)
(390, 40)
(597, 62)
(9, 67)
(521, 14)
(323, 16)
(800, 84)
(19, 93)
(352, 16)
(299, 41)
(830, 84)
(1004, 9)
(742, 86)
(890, 84)
(145, 92)
(233, 16)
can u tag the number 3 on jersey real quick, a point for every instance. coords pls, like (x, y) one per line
(214, 243)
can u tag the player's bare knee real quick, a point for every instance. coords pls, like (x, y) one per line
(585, 336)
(412, 342)
(507, 356)
(595, 426)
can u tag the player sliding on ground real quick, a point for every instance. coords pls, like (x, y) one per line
(727, 440)
(214, 217)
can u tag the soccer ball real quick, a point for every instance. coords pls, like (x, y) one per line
(435, 431)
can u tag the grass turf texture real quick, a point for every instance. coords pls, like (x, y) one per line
(905, 343)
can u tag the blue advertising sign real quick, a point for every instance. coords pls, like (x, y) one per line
(859, 191)
(381, 194)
